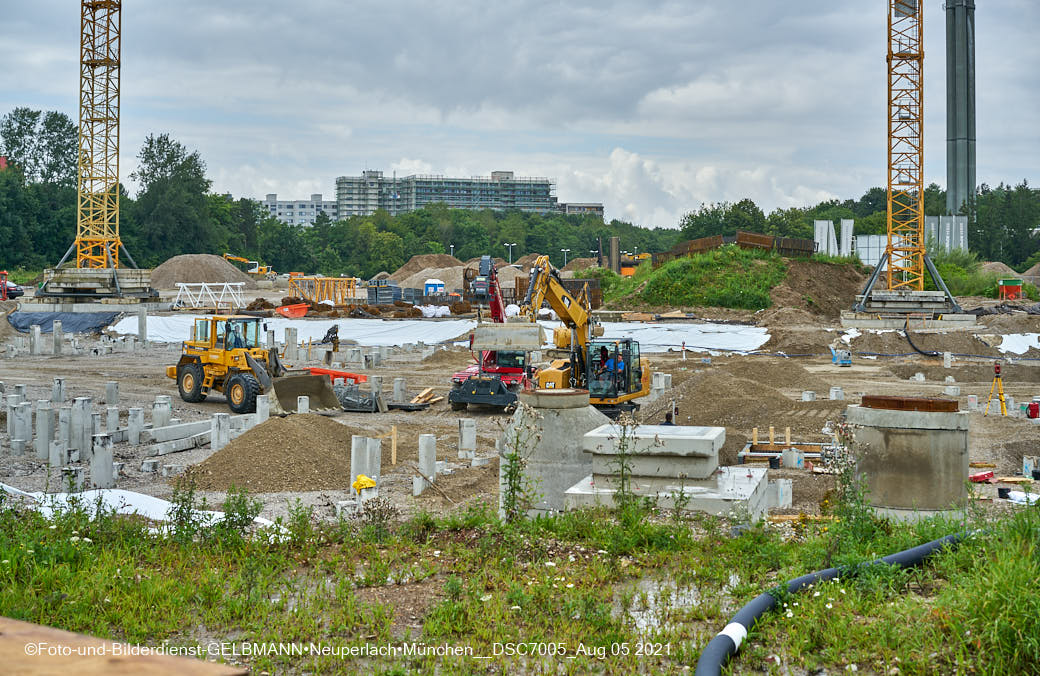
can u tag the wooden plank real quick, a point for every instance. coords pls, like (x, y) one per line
(987, 465)
(1014, 480)
(88, 655)
(417, 399)
(434, 400)
(787, 518)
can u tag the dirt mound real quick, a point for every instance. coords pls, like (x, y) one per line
(196, 268)
(382, 275)
(779, 375)
(451, 276)
(968, 373)
(576, 264)
(422, 262)
(1018, 322)
(785, 316)
(997, 268)
(297, 453)
(456, 357)
(894, 342)
(799, 341)
(822, 289)
(528, 260)
(475, 261)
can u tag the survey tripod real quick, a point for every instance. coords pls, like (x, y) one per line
(998, 385)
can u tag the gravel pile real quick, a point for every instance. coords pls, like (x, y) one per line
(196, 268)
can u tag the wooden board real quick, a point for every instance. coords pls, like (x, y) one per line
(417, 399)
(1014, 480)
(89, 655)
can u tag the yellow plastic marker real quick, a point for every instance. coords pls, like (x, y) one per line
(362, 482)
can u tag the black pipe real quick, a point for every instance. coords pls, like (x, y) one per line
(906, 332)
(727, 642)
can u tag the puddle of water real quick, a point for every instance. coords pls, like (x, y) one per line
(654, 602)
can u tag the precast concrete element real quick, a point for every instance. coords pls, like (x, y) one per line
(135, 425)
(112, 393)
(792, 458)
(111, 419)
(22, 390)
(375, 383)
(292, 345)
(303, 404)
(1009, 401)
(358, 458)
(44, 429)
(58, 456)
(427, 463)
(467, 438)
(172, 470)
(952, 390)
(915, 463)
(374, 447)
(23, 422)
(142, 326)
(808, 395)
(779, 494)
(738, 489)
(947, 359)
(654, 455)
(101, 470)
(149, 465)
(546, 432)
(58, 391)
(837, 394)
(220, 431)
(95, 426)
(57, 337)
(162, 411)
(72, 478)
(973, 402)
(263, 407)
(34, 339)
(399, 390)
(13, 400)
(270, 339)
(18, 446)
(64, 434)
(1030, 463)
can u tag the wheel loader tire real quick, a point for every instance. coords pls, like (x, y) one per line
(458, 406)
(241, 391)
(189, 383)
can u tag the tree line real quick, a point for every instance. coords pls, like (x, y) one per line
(174, 212)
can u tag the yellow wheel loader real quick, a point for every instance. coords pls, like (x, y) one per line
(224, 354)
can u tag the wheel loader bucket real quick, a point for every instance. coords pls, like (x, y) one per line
(317, 388)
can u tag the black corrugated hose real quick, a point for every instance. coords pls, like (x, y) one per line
(727, 642)
(906, 332)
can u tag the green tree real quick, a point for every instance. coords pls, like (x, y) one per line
(44, 146)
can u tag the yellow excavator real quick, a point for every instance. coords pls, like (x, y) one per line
(254, 268)
(224, 354)
(613, 371)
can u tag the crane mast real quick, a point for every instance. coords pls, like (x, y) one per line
(97, 218)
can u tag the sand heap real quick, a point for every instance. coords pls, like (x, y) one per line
(818, 288)
(423, 262)
(997, 268)
(196, 268)
(575, 264)
(303, 452)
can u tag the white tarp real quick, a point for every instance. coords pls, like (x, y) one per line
(365, 332)
(1019, 343)
(652, 337)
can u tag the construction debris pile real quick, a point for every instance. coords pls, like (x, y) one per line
(303, 452)
(198, 268)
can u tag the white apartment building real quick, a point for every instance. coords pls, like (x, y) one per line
(299, 212)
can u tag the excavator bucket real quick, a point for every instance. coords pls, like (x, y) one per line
(317, 388)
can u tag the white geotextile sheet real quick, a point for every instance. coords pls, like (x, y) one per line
(664, 336)
(652, 337)
(122, 502)
(367, 332)
(1019, 343)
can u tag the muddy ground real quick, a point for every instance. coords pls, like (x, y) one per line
(738, 392)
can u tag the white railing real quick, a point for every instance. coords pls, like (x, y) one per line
(209, 295)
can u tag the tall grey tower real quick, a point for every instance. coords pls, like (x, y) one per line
(960, 104)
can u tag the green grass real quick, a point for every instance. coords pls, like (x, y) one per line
(22, 276)
(726, 277)
(568, 580)
(961, 272)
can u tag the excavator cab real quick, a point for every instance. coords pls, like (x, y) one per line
(616, 375)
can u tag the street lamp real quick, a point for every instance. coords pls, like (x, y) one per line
(565, 251)
(452, 246)
(510, 245)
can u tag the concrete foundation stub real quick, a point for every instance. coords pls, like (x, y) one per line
(58, 391)
(915, 463)
(57, 337)
(112, 393)
(547, 431)
(44, 429)
(135, 425)
(102, 473)
(263, 408)
(220, 431)
(467, 436)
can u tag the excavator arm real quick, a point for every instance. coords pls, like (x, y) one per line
(575, 313)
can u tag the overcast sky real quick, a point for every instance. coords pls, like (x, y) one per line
(649, 107)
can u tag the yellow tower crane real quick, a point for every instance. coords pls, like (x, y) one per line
(905, 255)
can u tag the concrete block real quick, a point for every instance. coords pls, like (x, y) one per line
(792, 458)
(427, 462)
(102, 474)
(375, 460)
(479, 462)
(467, 436)
(35, 344)
(22, 390)
(375, 383)
(1012, 411)
(779, 494)
(18, 446)
(178, 445)
(292, 345)
(973, 402)
(418, 486)
(303, 404)
(142, 326)
(837, 394)
(135, 425)
(111, 419)
(57, 338)
(23, 422)
(399, 390)
(220, 431)
(808, 395)
(44, 429)
(149, 465)
(58, 455)
(162, 411)
(72, 479)
(917, 377)
(665, 451)
(263, 408)
(950, 380)
(442, 467)
(947, 359)
(64, 431)
(172, 470)
(112, 393)
(952, 391)
(346, 508)
(12, 403)
(58, 391)
(1029, 464)
(358, 458)
(270, 339)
